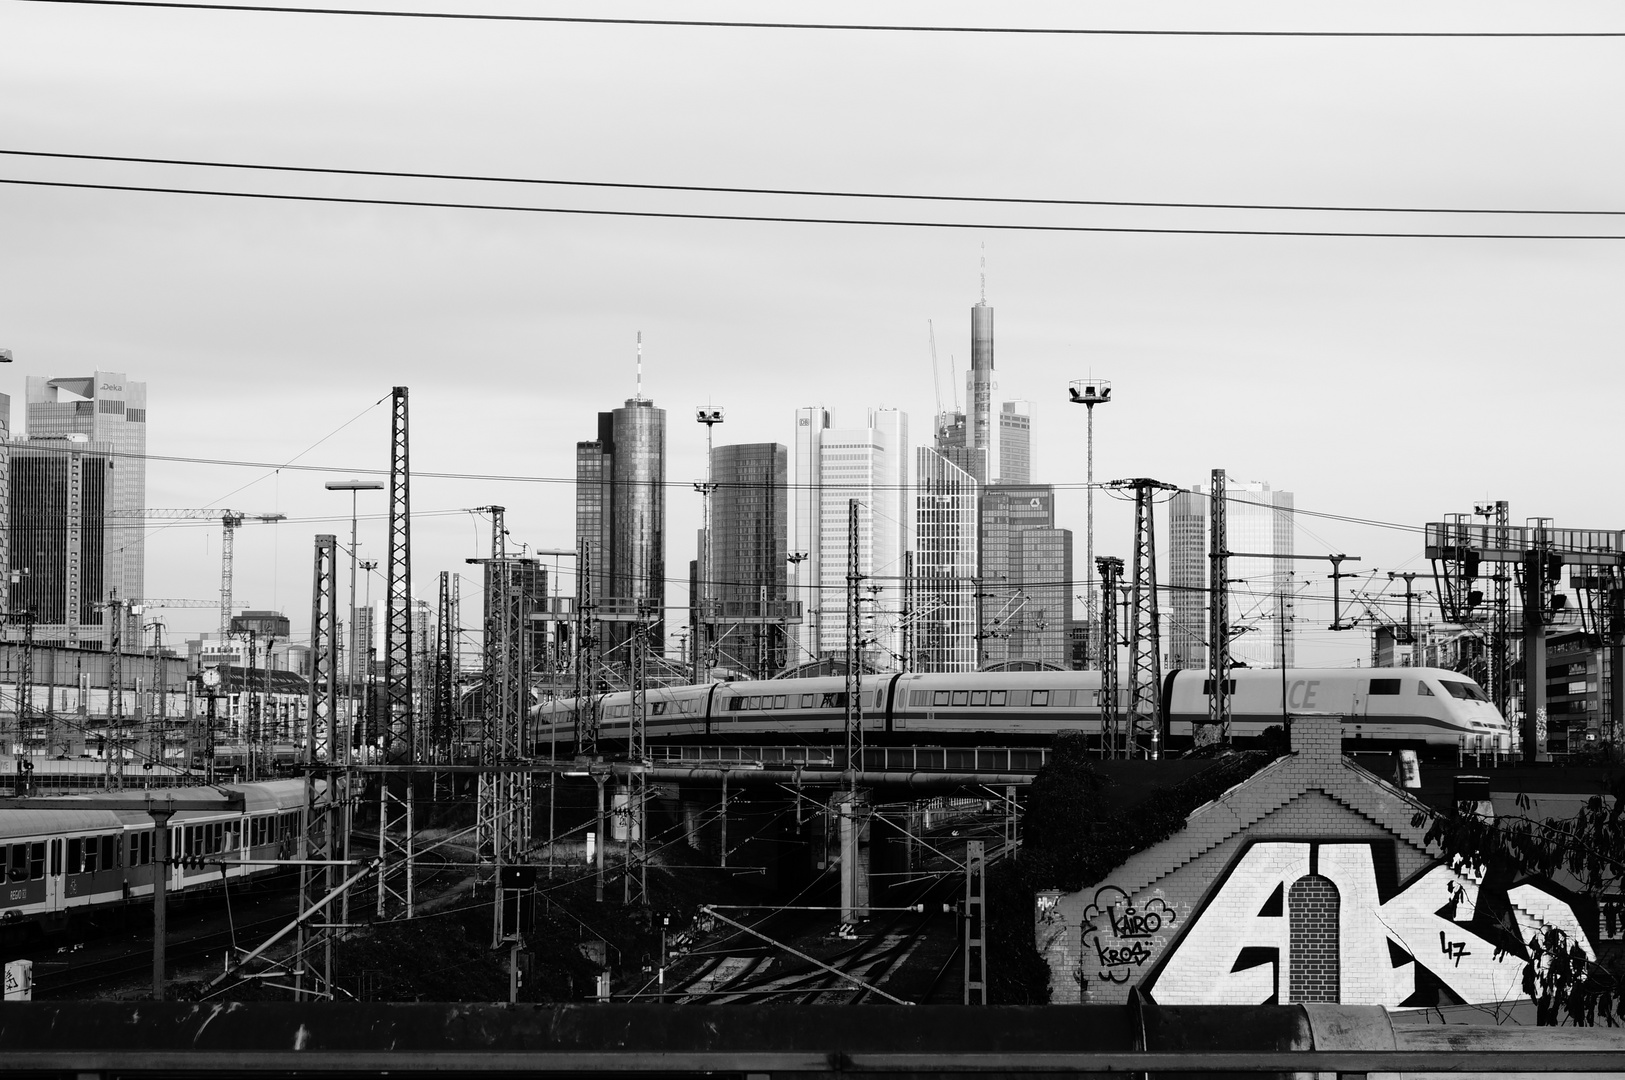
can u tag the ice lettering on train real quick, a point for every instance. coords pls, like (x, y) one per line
(1301, 694)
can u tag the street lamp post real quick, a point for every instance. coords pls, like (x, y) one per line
(352, 486)
(1089, 393)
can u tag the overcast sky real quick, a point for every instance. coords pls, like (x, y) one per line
(1382, 379)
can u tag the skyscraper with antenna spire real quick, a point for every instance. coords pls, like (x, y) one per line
(621, 510)
(981, 436)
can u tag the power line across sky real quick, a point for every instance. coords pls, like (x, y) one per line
(890, 28)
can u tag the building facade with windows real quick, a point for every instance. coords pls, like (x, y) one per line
(1026, 574)
(743, 611)
(108, 410)
(940, 620)
(867, 464)
(1262, 583)
(621, 515)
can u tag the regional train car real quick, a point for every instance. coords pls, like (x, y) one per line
(59, 859)
(1425, 707)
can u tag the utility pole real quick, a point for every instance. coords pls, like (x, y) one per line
(854, 652)
(637, 753)
(395, 790)
(1110, 569)
(1218, 627)
(114, 764)
(586, 658)
(324, 828)
(1145, 635)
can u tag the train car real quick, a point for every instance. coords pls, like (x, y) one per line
(1381, 707)
(1418, 707)
(282, 757)
(59, 859)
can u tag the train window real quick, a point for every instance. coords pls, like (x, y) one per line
(660, 708)
(961, 697)
(1040, 697)
(978, 697)
(1384, 687)
(110, 852)
(997, 697)
(1466, 691)
(939, 697)
(1422, 689)
(76, 855)
(19, 862)
(755, 702)
(806, 701)
(880, 698)
(1207, 687)
(781, 701)
(36, 860)
(735, 704)
(1061, 698)
(834, 701)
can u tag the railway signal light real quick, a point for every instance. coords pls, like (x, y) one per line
(518, 877)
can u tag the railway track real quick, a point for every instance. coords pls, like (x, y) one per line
(89, 977)
(906, 954)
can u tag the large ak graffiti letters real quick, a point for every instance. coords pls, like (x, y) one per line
(1439, 939)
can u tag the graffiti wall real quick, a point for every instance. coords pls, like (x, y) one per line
(1305, 921)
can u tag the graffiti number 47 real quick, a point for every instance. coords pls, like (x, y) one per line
(1453, 949)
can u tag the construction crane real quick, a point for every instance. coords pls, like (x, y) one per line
(229, 521)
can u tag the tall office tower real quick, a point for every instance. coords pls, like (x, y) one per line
(1259, 523)
(621, 513)
(1026, 576)
(1186, 633)
(869, 464)
(806, 537)
(1015, 443)
(749, 569)
(981, 434)
(943, 609)
(108, 409)
(58, 532)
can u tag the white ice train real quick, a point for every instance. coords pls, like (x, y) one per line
(1381, 707)
(58, 859)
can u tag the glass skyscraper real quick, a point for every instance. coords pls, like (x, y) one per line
(749, 568)
(621, 514)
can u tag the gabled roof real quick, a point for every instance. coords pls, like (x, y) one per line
(1316, 764)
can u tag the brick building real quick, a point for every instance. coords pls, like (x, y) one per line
(1305, 883)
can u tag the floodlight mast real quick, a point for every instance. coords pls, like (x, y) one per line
(1089, 393)
(710, 416)
(351, 670)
